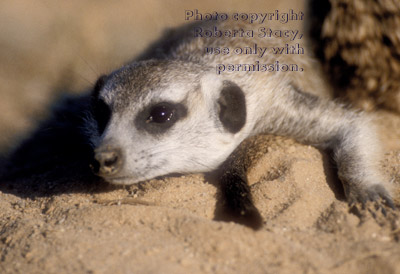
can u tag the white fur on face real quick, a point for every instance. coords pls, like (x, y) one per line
(183, 148)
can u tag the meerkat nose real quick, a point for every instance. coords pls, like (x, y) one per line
(108, 161)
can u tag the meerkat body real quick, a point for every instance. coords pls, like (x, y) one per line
(171, 111)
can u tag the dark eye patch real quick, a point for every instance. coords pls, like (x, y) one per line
(158, 118)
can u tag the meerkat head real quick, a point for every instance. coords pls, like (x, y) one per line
(159, 117)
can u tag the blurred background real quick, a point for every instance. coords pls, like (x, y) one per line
(48, 48)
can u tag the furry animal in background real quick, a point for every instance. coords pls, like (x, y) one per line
(358, 43)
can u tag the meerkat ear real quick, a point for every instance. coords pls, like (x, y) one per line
(98, 86)
(100, 110)
(232, 107)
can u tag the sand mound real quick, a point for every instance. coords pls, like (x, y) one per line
(167, 226)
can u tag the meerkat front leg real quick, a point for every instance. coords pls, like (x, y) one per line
(328, 125)
(235, 201)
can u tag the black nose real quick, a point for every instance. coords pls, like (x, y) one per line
(107, 161)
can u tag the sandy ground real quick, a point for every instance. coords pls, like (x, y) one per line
(71, 225)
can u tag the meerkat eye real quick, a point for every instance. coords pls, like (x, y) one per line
(160, 117)
(161, 114)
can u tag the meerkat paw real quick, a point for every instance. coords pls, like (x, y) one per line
(236, 203)
(373, 199)
(247, 215)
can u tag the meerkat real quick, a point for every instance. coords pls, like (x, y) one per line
(171, 111)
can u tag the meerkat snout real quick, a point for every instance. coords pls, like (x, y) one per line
(108, 161)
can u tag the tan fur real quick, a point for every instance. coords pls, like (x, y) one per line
(358, 43)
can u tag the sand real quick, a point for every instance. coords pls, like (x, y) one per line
(74, 225)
